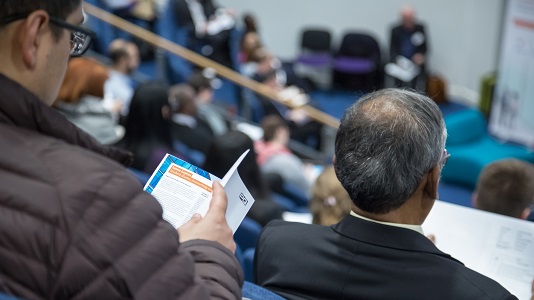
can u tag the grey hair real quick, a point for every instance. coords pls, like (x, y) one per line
(386, 142)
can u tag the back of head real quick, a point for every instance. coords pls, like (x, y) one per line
(506, 187)
(270, 124)
(386, 142)
(225, 150)
(329, 201)
(182, 99)
(199, 82)
(146, 128)
(250, 23)
(117, 50)
(84, 76)
(56, 8)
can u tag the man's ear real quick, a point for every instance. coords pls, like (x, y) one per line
(431, 186)
(525, 213)
(474, 199)
(30, 37)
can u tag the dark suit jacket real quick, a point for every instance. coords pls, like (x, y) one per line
(358, 259)
(198, 138)
(183, 15)
(396, 41)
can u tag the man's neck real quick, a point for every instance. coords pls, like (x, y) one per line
(412, 212)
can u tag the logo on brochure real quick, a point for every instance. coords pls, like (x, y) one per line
(243, 199)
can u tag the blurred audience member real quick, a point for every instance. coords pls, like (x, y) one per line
(301, 128)
(223, 152)
(250, 41)
(409, 41)
(80, 100)
(275, 157)
(148, 134)
(207, 111)
(330, 202)
(187, 127)
(119, 87)
(506, 187)
(209, 28)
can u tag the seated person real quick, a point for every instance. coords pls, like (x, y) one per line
(119, 87)
(209, 28)
(329, 201)
(389, 154)
(148, 127)
(223, 152)
(506, 187)
(301, 128)
(409, 42)
(207, 111)
(275, 157)
(80, 100)
(187, 128)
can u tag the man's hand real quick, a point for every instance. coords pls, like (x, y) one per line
(213, 226)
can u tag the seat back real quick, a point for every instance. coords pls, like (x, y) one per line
(253, 291)
(465, 126)
(316, 40)
(359, 45)
(247, 234)
(167, 27)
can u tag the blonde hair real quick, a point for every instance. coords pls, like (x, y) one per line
(330, 202)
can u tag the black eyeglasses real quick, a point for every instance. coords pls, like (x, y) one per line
(80, 38)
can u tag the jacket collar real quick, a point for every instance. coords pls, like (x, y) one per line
(387, 236)
(20, 108)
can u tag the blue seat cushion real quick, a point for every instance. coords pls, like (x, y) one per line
(468, 160)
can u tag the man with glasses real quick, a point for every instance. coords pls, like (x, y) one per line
(389, 153)
(74, 223)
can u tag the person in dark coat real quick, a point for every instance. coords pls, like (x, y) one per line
(389, 154)
(74, 223)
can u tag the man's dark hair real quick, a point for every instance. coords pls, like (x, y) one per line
(60, 9)
(386, 142)
(199, 82)
(117, 54)
(506, 187)
(270, 124)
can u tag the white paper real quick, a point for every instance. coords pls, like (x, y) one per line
(183, 189)
(500, 247)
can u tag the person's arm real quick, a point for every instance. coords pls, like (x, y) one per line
(394, 44)
(120, 247)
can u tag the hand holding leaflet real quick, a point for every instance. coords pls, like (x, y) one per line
(183, 189)
(213, 227)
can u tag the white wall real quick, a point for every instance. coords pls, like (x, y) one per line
(463, 34)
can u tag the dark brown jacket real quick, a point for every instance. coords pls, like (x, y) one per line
(74, 224)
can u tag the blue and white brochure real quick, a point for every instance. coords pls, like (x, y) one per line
(183, 189)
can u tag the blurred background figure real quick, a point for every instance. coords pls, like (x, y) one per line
(80, 100)
(408, 47)
(209, 28)
(148, 134)
(207, 111)
(506, 187)
(119, 87)
(187, 128)
(223, 152)
(250, 41)
(275, 157)
(330, 202)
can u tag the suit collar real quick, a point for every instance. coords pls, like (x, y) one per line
(386, 236)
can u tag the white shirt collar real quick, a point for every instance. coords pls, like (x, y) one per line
(185, 120)
(417, 228)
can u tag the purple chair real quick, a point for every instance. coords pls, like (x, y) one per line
(357, 63)
(315, 59)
